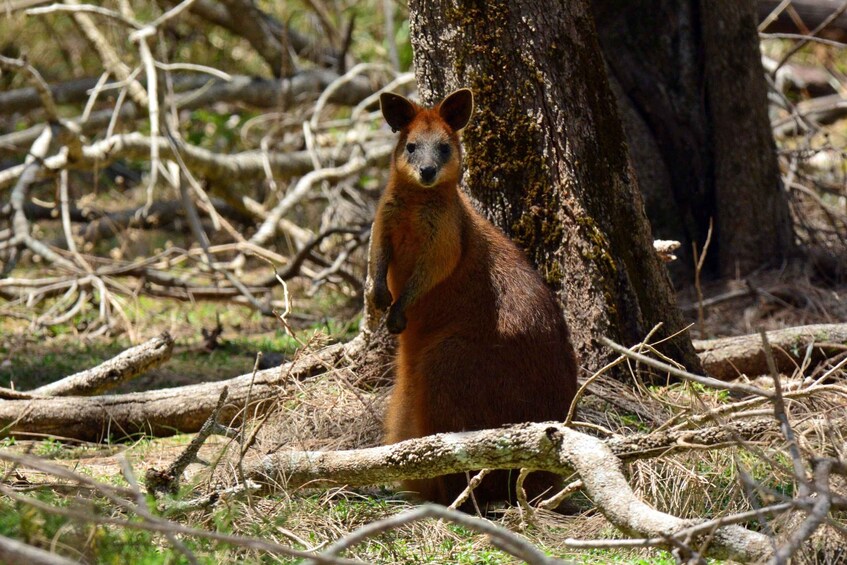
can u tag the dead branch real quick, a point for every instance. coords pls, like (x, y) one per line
(539, 446)
(740, 388)
(158, 481)
(127, 499)
(727, 358)
(219, 14)
(25, 99)
(667, 442)
(124, 367)
(250, 23)
(199, 91)
(811, 12)
(13, 551)
(245, 166)
(499, 536)
(820, 111)
(111, 61)
(160, 412)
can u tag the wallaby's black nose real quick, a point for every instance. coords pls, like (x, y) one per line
(428, 174)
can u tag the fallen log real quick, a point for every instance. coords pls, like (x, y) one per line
(120, 369)
(158, 412)
(729, 357)
(540, 446)
(184, 409)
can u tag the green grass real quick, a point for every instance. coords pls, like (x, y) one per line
(76, 539)
(28, 361)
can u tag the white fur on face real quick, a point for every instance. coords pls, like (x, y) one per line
(427, 155)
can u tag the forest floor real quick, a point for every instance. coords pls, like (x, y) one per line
(327, 413)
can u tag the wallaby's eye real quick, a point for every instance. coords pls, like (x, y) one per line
(410, 147)
(444, 149)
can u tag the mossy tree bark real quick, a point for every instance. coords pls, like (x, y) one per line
(693, 92)
(547, 160)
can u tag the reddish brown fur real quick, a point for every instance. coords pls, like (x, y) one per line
(485, 343)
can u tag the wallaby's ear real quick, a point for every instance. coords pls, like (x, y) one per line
(397, 111)
(457, 108)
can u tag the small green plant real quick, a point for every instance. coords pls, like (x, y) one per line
(49, 448)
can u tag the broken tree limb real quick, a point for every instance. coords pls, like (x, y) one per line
(540, 446)
(167, 481)
(245, 166)
(124, 367)
(727, 358)
(159, 412)
(201, 91)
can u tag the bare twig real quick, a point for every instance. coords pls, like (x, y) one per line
(806, 38)
(685, 375)
(501, 537)
(169, 479)
(782, 417)
(38, 82)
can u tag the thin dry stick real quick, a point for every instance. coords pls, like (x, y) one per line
(698, 268)
(773, 15)
(153, 112)
(142, 510)
(38, 82)
(66, 222)
(817, 515)
(468, 490)
(85, 9)
(111, 61)
(499, 536)
(527, 513)
(685, 375)
(151, 28)
(806, 38)
(554, 501)
(782, 417)
(168, 480)
(163, 526)
(582, 389)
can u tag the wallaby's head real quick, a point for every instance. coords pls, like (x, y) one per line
(428, 151)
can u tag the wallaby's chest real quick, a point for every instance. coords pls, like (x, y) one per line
(424, 238)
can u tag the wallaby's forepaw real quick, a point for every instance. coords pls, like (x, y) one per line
(396, 321)
(382, 297)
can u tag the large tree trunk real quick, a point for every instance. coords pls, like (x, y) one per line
(693, 90)
(547, 159)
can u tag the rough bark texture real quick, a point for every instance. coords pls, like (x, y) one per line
(692, 72)
(547, 160)
(159, 412)
(542, 446)
(729, 357)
